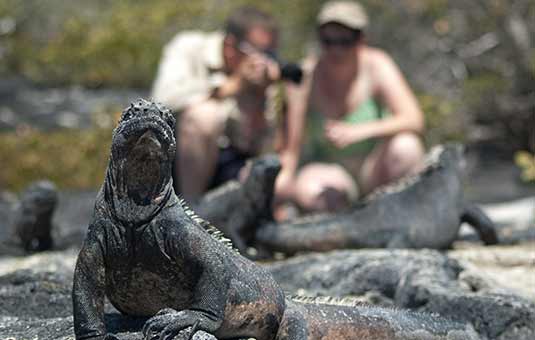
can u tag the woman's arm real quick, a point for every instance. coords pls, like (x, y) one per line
(297, 105)
(391, 86)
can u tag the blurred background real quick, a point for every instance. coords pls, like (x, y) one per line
(67, 68)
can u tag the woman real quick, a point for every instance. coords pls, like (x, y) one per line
(355, 113)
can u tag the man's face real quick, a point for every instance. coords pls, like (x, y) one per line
(262, 40)
(256, 53)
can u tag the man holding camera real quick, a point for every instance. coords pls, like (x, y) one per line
(218, 84)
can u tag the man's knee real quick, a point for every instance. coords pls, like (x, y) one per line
(204, 118)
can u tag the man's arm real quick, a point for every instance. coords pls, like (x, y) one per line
(89, 290)
(181, 79)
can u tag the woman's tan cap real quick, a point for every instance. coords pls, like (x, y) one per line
(347, 13)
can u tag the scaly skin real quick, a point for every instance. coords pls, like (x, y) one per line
(424, 214)
(237, 208)
(152, 256)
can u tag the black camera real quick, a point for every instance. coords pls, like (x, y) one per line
(291, 72)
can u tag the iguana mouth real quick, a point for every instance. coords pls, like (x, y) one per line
(140, 168)
(144, 168)
(144, 148)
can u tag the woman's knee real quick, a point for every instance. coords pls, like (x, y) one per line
(405, 149)
(322, 186)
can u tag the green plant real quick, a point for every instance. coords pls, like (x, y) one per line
(526, 161)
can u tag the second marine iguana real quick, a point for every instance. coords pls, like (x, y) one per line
(152, 256)
(421, 211)
(238, 208)
(32, 224)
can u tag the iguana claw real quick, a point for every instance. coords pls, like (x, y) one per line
(165, 325)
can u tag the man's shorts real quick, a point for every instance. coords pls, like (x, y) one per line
(228, 166)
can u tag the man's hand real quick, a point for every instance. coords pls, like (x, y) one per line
(258, 71)
(343, 134)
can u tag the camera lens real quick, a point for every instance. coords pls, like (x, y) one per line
(291, 72)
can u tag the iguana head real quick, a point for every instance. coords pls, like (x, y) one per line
(40, 198)
(264, 170)
(33, 220)
(451, 155)
(138, 179)
(260, 183)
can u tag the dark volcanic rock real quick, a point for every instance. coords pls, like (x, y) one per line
(36, 302)
(422, 280)
(21, 102)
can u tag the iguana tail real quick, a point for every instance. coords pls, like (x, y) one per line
(485, 228)
(319, 233)
(312, 320)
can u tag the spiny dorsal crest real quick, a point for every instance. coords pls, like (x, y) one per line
(355, 302)
(329, 300)
(207, 226)
(429, 164)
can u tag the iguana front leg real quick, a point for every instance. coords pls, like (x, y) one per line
(209, 296)
(88, 292)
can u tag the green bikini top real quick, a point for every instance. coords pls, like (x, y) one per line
(318, 148)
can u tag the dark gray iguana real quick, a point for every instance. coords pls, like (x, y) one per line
(237, 208)
(32, 223)
(152, 256)
(423, 211)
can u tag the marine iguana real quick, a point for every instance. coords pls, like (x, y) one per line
(152, 256)
(32, 223)
(421, 211)
(237, 208)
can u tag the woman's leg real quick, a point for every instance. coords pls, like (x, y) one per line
(324, 187)
(394, 158)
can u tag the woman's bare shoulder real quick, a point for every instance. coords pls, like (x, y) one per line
(375, 56)
(378, 62)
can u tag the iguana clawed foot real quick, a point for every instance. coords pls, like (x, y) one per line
(169, 323)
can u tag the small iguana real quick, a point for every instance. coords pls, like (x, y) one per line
(32, 223)
(236, 208)
(421, 211)
(152, 256)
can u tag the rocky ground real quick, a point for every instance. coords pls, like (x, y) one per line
(491, 287)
